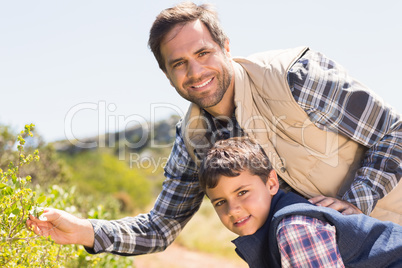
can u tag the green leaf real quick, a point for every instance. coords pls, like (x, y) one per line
(16, 211)
(14, 178)
(8, 190)
(2, 185)
(36, 211)
(11, 165)
(41, 199)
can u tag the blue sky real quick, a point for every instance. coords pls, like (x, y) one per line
(83, 67)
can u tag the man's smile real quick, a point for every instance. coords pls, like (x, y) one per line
(203, 84)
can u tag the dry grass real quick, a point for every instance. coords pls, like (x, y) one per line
(206, 233)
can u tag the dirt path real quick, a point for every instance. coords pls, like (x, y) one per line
(176, 256)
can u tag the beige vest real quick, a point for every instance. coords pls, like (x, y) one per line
(310, 160)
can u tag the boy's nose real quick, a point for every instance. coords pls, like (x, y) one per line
(234, 209)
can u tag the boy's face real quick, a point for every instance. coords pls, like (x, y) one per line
(243, 202)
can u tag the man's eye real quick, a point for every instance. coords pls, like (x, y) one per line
(178, 64)
(203, 54)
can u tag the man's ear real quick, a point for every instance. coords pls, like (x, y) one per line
(272, 182)
(227, 48)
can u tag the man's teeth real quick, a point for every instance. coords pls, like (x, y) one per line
(204, 84)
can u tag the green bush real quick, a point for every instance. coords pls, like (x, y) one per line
(19, 247)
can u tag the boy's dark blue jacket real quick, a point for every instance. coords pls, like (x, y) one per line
(362, 241)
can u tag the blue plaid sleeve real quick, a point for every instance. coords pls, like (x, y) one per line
(336, 102)
(179, 199)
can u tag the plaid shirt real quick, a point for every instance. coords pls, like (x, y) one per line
(333, 102)
(307, 242)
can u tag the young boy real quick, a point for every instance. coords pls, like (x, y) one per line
(283, 229)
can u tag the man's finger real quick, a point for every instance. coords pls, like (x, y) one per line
(316, 199)
(348, 211)
(339, 206)
(325, 202)
(33, 227)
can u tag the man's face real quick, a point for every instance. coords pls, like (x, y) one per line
(196, 66)
(243, 202)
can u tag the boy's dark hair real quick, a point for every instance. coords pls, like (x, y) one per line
(182, 14)
(231, 157)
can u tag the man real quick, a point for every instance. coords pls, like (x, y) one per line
(326, 135)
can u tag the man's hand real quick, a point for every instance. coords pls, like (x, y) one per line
(62, 227)
(342, 206)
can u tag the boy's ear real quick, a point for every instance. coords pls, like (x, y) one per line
(272, 182)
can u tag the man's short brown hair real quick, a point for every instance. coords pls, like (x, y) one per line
(231, 157)
(182, 14)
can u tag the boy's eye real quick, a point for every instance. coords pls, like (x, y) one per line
(220, 203)
(242, 192)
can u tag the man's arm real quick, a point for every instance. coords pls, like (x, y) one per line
(176, 204)
(336, 102)
(152, 232)
(179, 200)
(307, 242)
